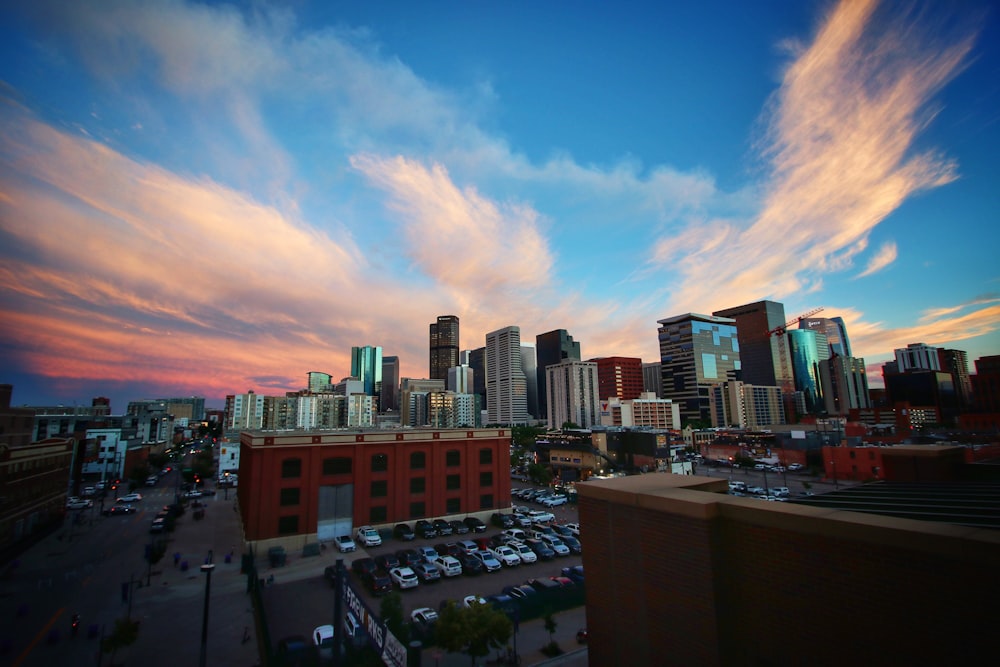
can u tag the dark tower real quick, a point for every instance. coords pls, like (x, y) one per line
(443, 347)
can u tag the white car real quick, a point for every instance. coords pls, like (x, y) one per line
(514, 534)
(344, 543)
(506, 555)
(540, 516)
(193, 494)
(573, 528)
(449, 566)
(130, 498)
(404, 577)
(780, 491)
(429, 554)
(368, 537)
(523, 552)
(489, 561)
(470, 600)
(555, 501)
(795, 467)
(74, 503)
(424, 616)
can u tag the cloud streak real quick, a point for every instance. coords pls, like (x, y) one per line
(884, 257)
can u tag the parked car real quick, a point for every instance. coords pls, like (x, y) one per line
(426, 572)
(404, 577)
(409, 557)
(506, 555)
(490, 562)
(448, 549)
(795, 467)
(402, 531)
(74, 503)
(470, 564)
(574, 544)
(387, 561)
(574, 572)
(780, 491)
(449, 566)
(424, 529)
(524, 552)
(520, 592)
(514, 534)
(541, 549)
(442, 527)
(428, 554)
(556, 545)
(378, 582)
(158, 526)
(543, 585)
(501, 520)
(541, 516)
(368, 536)
(755, 490)
(360, 566)
(424, 616)
(470, 600)
(468, 546)
(554, 501)
(474, 524)
(344, 543)
(458, 527)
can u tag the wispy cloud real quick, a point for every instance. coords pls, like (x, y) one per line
(885, 256)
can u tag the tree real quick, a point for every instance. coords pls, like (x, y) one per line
(125, 633)
(552, 648)
(391, 610)
(474, 630)
(570, 426)
(539, 474)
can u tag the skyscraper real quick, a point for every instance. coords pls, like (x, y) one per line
(835, 331)
(318, 381)
(804, 345)
(443, 346)
(477, 362)
(529, 364)
(552, 347)
(506, 389)
(619, 376)
(764, 358)
(366, 365)
(918, 356)
(572, 387)
(389, 396)
(696, 351)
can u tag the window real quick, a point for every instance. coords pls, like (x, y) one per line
(453, 482)
(290, 496)
(417, 485)
(486, 456)
(340, 465)
(851, 453)
(291, 468)
(486, 501)
(380, 463)
(485, 479)
(417, 510)
(288, 525)
(453, 505)
(380, 489)
(377, 514)
(418, 461)
(452, 457)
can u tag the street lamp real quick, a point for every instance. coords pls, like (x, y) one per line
(207, 569)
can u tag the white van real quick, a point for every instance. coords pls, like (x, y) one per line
(738, 486)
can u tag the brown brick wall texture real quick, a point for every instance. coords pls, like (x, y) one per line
(668, 589)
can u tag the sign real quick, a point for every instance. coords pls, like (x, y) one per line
(391, 649)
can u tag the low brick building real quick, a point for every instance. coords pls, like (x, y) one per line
(678, 573)
(303, 486)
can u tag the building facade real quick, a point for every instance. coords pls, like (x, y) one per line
(244, 411)
(444, 346)
(844, 382)
(529, 365)
(366, 365)
(506, 387)
(696, 351)
(647, 411)
(389, 396)
(764, 357)
(573, 394)
(835, 331)
(552, 347)
(745, 406)
(917, 356)
(651, 379)
(804, 346)
(620, 377)
(314, 486)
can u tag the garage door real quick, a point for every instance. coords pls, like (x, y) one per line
(336, 511)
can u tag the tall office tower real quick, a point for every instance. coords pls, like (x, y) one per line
(651, 379)
(414, 403)
(443, 346)
(506, 388)
(917, 356)
(529, 364)
(553, 347)
(844, 383)
(764, 358)
(461, 380)
(477, 362)
(318, 382)
(745, 405)
(696, 351)
(366, 365)
(572, 388)
(956, 362)
(835, 331)
(619, 376)
(804, 347)
(389, 397)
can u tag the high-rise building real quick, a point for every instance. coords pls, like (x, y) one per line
(572, 387)
(956, 362)
(741, 405)
(318, 382)
(835, 331)
(647, 411)
(506, 388)
(461, 380)
(389, 397)
(529, 364)
(917, 356)
(803, 344)
(443, 346)
(244, 412)
(366, 365)
(696, 351)
(620, 377)
(764, 357)
(552, 347)
(477, 362)
(844, 384)
(986, 384)
(414, 399)
(651, 379)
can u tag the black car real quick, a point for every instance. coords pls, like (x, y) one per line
(575, 573)
(442, 527)
(474, 524)
(408, 557)
(458, 527)
(574, 544)
(425, 529)
(362, 566)
(501, 520)
(449, 549)
(118, 510)
(387, 561)
(378, 582)
(402, 531)
(470, 564)
(519, 592)
(541, 549)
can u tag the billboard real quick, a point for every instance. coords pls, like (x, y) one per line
(391, 649)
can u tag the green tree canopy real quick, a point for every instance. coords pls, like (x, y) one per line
(474, 630)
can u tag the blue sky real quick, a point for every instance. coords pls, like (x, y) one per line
(206, 198)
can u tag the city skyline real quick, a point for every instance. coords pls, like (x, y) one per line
(201, 199)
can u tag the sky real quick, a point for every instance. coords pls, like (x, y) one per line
(210, 198)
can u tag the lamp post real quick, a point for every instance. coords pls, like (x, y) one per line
(836, 482)
(207, 569)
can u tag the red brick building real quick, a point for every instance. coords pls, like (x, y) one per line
(304, 486)
(619, 376)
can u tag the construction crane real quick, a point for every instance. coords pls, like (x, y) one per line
(782, 351)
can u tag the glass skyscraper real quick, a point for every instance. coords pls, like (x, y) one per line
(366, 365)
(443, 346)
(803, 345)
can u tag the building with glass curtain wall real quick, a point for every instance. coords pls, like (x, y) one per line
(444, 346)
(696, 351)
(366, 365)
(763, 357)
(802, 344)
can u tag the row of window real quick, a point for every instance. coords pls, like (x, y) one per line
(342, 465)
(289, 525)
(380, 488)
